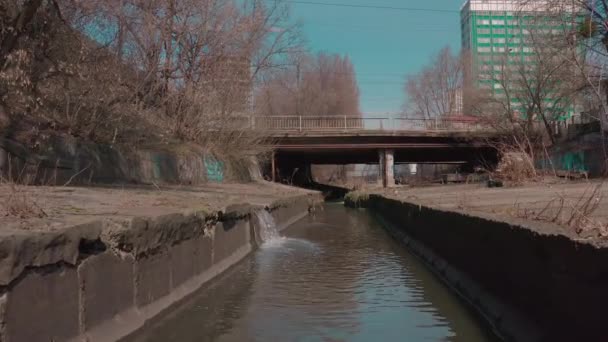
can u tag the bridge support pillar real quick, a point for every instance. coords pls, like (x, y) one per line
(387, 167)
(273, 167)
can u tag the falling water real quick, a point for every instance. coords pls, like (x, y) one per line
(268, 228)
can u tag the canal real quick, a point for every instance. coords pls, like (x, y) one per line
(334, 276)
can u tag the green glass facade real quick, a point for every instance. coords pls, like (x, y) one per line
(496, 37)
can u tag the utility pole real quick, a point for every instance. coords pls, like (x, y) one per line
(298, 87)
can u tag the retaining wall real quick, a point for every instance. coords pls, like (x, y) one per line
(103, 280)
(582, 152)
(530, 286)
(64, 160)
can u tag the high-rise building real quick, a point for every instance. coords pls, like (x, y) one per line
(496, 33)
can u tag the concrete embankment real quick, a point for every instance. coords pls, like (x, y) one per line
(531, 283)
(102, 262)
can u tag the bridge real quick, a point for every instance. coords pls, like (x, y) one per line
(300, 141)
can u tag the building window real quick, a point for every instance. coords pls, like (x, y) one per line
(499, 49)
(483, 22)
(499, 31)
(483, 40)
(483, 49)
(485, 76)
(483, 31)
(498, 22)
(500, 40)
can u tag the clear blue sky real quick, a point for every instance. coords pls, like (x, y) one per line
(384, 45)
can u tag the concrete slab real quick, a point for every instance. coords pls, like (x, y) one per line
(153, 278)
(107, 287)
(36, 299)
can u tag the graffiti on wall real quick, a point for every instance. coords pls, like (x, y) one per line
(573, 161)
(215, 169)
(566, 161)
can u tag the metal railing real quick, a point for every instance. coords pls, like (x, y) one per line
(356, 123)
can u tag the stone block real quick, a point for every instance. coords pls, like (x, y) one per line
(184, 260)
(43, 306)
(152, 278)
(107, 284)
(229, 237)
(204, 247)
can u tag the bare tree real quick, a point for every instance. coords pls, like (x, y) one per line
(437, 89)
(530, 87)
(324, 85)
(582, 41)
(539, 91)
(103, 69)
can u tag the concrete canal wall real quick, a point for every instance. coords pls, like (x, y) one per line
(103, 280)
(530, 286)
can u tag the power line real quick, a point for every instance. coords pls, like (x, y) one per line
(381, 29)
(391, 8)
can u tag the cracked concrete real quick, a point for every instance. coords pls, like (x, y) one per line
(108, 259)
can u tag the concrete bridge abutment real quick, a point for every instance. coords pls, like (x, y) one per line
(386, 158)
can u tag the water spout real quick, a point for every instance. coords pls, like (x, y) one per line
(268, 232)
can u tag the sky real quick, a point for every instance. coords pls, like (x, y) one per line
(384, 45)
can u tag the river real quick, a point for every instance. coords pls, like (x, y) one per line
(334, 276)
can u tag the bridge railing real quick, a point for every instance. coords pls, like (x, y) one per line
(352, 123)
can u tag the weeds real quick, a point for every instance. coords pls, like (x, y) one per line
(574, 214)
(17, 201)
(356, 198)
(20, 204)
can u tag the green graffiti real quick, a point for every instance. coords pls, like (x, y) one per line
(565, 161)
(573, 161)
(215, 169)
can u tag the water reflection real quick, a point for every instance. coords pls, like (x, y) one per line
(337, 277)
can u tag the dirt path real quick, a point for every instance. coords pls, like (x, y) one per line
(51, 208)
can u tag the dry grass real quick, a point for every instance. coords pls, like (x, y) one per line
(575, 214)
(16, 201)
(516, 167)
(19, 203)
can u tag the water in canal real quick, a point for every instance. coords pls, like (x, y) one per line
(336, 276)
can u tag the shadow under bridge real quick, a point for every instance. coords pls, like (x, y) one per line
(294, 153)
